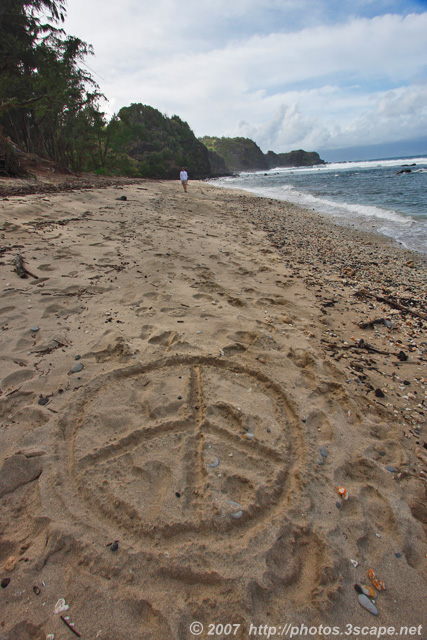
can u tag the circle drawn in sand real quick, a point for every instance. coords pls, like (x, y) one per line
(167, 448)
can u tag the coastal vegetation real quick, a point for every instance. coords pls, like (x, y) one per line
(50, 108)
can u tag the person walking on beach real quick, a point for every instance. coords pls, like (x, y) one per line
(183, 176)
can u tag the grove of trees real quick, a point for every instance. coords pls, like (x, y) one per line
(50, 106)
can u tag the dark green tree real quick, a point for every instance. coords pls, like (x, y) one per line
(49, 105)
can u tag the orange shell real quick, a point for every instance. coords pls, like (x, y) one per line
(343, 493)
(369, 591)
(378, 584)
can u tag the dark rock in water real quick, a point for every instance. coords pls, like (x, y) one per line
(379, 393)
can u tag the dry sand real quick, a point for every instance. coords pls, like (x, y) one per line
(227, 391)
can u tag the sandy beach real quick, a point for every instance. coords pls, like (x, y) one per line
(186, 381)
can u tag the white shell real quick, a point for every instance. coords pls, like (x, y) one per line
(61, 606)
(367, 604)
(236, 514)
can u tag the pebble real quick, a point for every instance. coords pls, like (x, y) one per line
(43, 401)
(77, 367)
(5, 582)
(338, 504)
(367, 604)
(34, 329)
(390, 468)
(323, 452)
(114, 546)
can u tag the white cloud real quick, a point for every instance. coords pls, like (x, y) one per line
(234, 67)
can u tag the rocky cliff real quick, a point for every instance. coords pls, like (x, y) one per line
(243, 154)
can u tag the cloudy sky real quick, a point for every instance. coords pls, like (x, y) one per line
(311, 74)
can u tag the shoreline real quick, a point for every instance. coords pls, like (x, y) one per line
(187, 379)
(351, 214)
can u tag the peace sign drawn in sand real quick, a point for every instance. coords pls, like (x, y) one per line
(231, 468)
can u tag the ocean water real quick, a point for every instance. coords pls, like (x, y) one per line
(368, 195)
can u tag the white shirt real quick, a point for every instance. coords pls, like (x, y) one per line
(183, 175)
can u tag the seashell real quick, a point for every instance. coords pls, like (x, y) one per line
(214, 464)
(369, 591)
(378, 584)
(61, 606)
(343, 493)
(367, 604)
(236, 514)
(10, 563)
(248, 436)
(354, 563)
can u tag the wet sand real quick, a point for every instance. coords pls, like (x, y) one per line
(186, 380)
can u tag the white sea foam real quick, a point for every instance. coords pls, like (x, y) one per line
(351, 166)
(410, 229)
(322, 205)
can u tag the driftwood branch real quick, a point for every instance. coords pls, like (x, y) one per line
(391, 303)
(359, 346)
(70, 626)
(21, 270)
